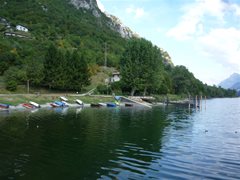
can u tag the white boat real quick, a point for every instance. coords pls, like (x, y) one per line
(63, 98)
(79, 102)
(65, 103)
(34, 104)
(102, 104)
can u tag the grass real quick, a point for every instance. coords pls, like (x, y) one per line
(47, 98)
(171, 97)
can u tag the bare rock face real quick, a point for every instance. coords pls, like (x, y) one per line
(114, 23)
(88, 5)
(118, 26)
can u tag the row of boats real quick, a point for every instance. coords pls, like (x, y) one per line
(64, 103)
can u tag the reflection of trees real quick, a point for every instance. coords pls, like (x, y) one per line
(89, 144)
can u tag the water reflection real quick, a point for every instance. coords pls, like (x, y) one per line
(116, 143)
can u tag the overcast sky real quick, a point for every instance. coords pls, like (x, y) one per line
(203, 35)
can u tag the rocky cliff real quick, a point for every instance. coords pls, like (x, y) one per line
(113, 22)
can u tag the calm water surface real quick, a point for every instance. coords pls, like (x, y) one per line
(122, 143)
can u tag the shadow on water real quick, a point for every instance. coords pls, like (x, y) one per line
(98, 143)
(76, 143)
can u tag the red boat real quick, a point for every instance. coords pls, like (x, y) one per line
(54, 105)
(28, 106)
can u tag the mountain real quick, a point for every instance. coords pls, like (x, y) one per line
(233, 82)
(70, 24)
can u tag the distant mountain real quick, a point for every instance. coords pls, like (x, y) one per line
(233, 82)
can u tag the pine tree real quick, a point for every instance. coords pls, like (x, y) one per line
(49, 66)
(79, 75)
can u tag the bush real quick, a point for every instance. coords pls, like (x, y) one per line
(11, 85)
(103, 89)
(116, 87)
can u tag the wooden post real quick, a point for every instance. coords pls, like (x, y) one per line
(189, 101)
(205, 102)
(201, 102)
(196, 102)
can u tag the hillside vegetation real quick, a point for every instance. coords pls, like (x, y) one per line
(65, 45)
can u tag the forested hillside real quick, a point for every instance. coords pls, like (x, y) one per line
(78, 31)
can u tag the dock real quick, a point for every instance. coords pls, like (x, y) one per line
(136, 100)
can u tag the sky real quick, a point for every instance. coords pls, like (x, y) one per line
(203, 35)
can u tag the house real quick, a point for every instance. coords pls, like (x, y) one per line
(115, 77)
(21, 28)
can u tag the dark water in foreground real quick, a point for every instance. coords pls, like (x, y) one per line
(122, 143)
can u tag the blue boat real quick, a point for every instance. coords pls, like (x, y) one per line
(111, 104)
(4, 106)
(59, 104)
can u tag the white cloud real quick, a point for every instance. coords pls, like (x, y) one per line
(191, 22)
(136, 12)
(100, 5)
(223, 45)
(210, 25)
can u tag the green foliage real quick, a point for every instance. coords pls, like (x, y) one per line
(60, 67)
(78, 72)
(63, 24)
(103, 89)
(11, 85)
(142, 70)
(141, 66)
(66, 71)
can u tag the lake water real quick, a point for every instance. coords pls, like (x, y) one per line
(122, 143)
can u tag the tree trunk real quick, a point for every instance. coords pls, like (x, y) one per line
(133, 91)
(145, 91)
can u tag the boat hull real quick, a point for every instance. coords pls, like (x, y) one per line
(111, 105)
(95, 105)
(28, 106)
(4, 106)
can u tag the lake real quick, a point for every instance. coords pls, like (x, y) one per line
(165, 142)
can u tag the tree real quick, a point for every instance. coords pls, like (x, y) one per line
(54, 68)
(141, 66)
(79, 74)
(49, 63)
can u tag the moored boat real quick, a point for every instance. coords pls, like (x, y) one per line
(65, 103)
(102, 104)
(4, 106)
(63, 98)
(59, 104)
(28, 105)
(111, 104)
(79, 102)
(35, 104)
(95, 105)
(54, 105)
(128, 104)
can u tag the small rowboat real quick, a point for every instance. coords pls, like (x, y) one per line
(79, 102)
(65, 103)
(128, 105)
(4, 106)
(111, 104)
(63, 98)
(95, 105)
(59, 104)
(102, 104)
(35, 104)
(28, 106)
(54, 105)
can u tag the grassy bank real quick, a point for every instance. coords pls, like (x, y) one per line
(170, 97)
(47, 98)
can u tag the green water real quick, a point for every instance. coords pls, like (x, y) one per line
(122, 143)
